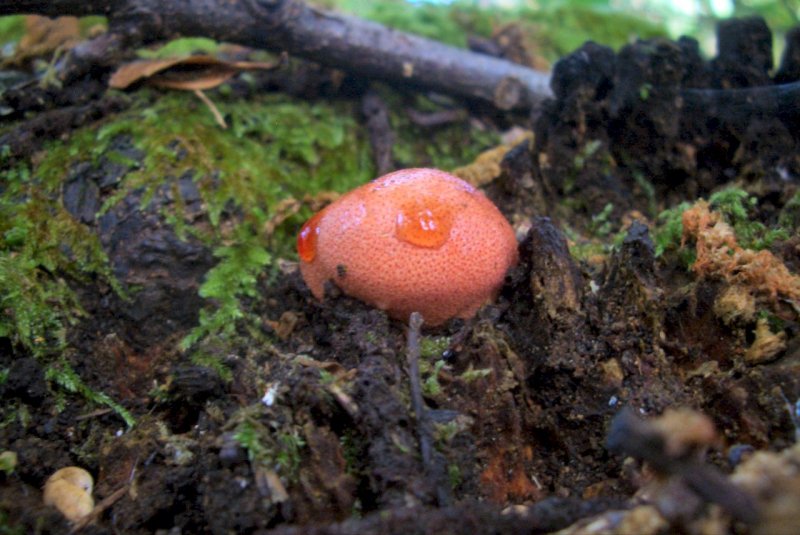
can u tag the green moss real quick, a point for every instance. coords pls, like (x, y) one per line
(454, 475)
(8, 462)
(737, 207)
(211, 360)
(432, 347)
(276, 148)
(354, 450)
(62, 374)
(668, 232)
(789, 218)
(444, 433)
(7, 528)
(582, 248)
(181, 47)
(274, 449)
(471, 374)
(12, 28)
(601, 224)
(565, 25)
(587, 152)
(41, 247)
(649, 192)
(430, 385)
(445, 147)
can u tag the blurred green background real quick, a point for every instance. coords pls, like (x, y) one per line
(560, 26)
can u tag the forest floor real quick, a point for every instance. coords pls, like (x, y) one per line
(639, 372)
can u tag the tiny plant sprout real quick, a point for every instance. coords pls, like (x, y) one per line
(70, 491)
(413, 240)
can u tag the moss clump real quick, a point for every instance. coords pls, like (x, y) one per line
(736, 207)
(269, 446)
(444, 147)
(430, 385)
(12, 28)
(432, 347)
(41, 246)
(181, 47)
(668, 233)
(62, 374)
(720, 255)
(789, 218)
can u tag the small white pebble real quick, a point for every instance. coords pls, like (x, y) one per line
(270, 395)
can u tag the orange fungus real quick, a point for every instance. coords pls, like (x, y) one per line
(413, 240)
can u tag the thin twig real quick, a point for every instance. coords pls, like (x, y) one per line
(432, 460)
(417, 403)
(98, 510)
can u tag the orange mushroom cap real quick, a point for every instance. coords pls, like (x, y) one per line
(413, 240)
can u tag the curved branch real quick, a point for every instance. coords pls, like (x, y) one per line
(331, 39)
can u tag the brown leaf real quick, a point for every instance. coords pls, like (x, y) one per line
(188, 73)
(44, 35)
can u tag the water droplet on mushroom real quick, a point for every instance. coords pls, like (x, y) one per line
(307, 238)
(425, 223)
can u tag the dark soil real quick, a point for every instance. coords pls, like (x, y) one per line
(569, 343)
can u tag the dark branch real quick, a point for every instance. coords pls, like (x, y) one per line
(348, 43)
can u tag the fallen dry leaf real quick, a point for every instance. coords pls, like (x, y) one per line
(188, 73)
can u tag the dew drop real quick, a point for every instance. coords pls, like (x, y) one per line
(307, 238)
(424, 223)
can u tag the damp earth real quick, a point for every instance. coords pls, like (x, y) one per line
(639, 371)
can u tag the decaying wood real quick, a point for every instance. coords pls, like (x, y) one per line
(331, 39)
(29, 136)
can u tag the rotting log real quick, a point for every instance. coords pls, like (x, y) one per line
(331, 39)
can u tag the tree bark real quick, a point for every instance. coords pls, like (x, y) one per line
(334, 40)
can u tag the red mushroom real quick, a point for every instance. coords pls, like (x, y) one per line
(413, 240)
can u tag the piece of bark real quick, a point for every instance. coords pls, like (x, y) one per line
(27, 138)
(381, 135)
(356, 45)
